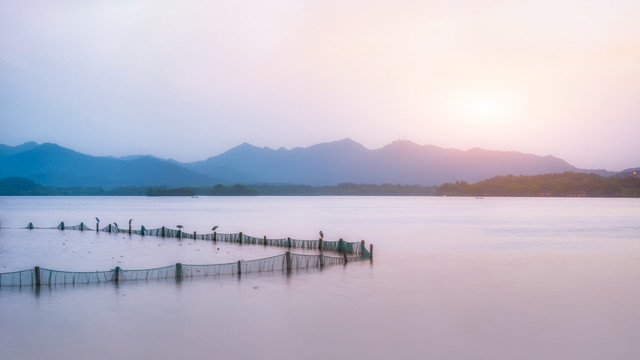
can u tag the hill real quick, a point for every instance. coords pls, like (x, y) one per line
(557, 185)
(401, 162)
(326, 164)
(52, 165)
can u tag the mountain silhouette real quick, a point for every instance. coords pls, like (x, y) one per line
(401, 162)
(53, 165)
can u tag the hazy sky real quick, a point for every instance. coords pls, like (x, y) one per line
(190, 79)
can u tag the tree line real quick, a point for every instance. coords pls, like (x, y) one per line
(557, 185)
(567, 184)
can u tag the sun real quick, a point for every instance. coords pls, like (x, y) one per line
(482, 107)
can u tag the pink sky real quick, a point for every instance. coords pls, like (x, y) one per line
(191, 79)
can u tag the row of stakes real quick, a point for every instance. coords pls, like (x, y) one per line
(340, 242)
(179, 265)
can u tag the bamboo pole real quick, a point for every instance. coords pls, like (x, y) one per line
(287, 256)
(37, 275)
(178, 271)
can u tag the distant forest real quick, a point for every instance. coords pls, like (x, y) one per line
(567, 184)
(556, 185)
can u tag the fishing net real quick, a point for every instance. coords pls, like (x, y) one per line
(165, 272)
(56, 277)
(18, 278)
(350, 251)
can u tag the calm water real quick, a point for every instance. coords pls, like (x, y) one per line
(452, 278)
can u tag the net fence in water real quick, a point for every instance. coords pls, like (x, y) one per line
(353, 248)
(283, 262)
(42, 276)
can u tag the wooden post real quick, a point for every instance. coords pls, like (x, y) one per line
(320, 244)
(179, 234)
(81, 226)
(116, 274)
(214, 236)
(30, 226)
(61, 225)
(178, 271)
(371, 250)
(240, 237)
(109, 227)
(344, 254)
(37, 275)
(194, 235)
(129, 229)
(163, 231)
(340, 245)
(321, 260)
(97, 226)
(264, 242)
(239, 267)
(362, 247)
(287, 256)
(289, 242)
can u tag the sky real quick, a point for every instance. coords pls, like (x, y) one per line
(191, 79)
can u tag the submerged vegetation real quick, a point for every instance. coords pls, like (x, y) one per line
(556, 185)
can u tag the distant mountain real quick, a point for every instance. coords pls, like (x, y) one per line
(7, 150)
(52, 165)
(401, 162)
(134, 157)
(322, 164)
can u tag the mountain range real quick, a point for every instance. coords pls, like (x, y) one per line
(401, 162)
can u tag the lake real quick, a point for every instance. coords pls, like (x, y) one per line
(451, 278)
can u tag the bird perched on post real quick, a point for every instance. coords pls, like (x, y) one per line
(321, 234)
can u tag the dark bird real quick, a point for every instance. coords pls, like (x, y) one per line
(214, 228)
(179, 226)
(98, 220)
(115, 223)
(321, 234)
(130, 220)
